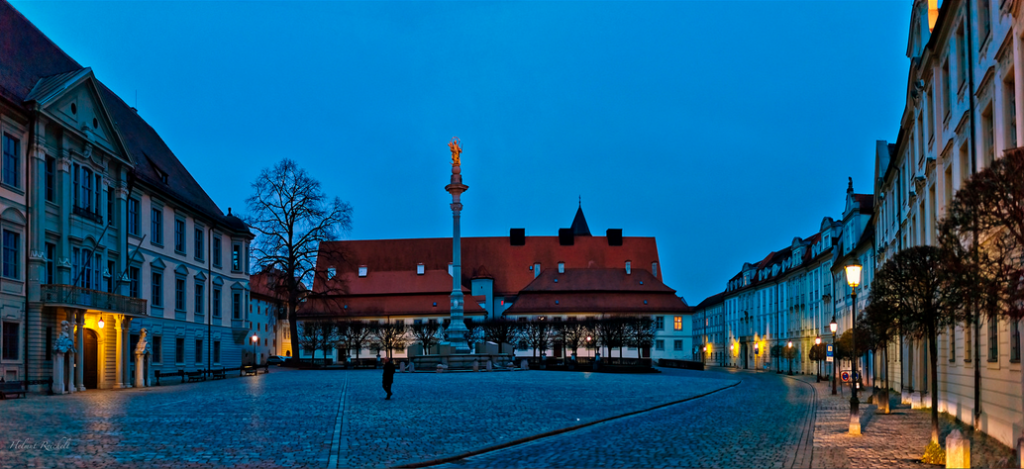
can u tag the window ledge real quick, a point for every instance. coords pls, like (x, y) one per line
(12, 188)
(182, 253)
(155, 243)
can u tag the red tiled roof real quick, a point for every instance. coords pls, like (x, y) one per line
(398, 282)
(268, 283)
(597, 291)
(510, 266)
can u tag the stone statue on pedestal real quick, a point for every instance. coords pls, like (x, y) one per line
(63, 370)
(143, 355)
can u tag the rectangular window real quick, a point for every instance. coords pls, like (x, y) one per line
(97, 189)
(179, 350)
(111, 272)
(51, 179)
(961, 45)
(993, 339)
(677, 345)
(236, 305)
(988, 136)
(216, 302)
(216, 251)
(199, 243)
(1010, 105)
(199, 298)
(10, 341)
(158, 349)
(677, 323)
(199, 350)
(984, 19)
(12, 152)
(659, 323)
(179, 294)
(133, 216)
(157, 227)
(236, 257)
(133, 282)
(111, 197)
(179, 235)
(952, 343)
(76, 179)
(51, 255)
(659, 344)
(97, 272)
(216, 351)
(967, 343)
(946, 93)
(86, 197)
(157, 296)
(1014, 341)
(10, 258)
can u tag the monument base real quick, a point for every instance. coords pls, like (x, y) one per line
(462, 362)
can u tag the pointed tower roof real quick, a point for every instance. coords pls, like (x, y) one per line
(579, 223)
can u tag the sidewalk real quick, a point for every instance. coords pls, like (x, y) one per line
(894, 440)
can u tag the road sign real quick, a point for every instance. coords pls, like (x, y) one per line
(828, 353)
(845, 376)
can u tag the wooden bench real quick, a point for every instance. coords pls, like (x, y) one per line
(12, 388)
(196, 376)
(218, 374)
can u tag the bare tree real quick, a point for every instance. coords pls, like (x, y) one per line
(640, 333)
(291, 215)
(501, 331)
(575, 334)
(427, 334)
(474, 332)
(357, 335)
(607, 333)
(316, 334)
(538, 334)
(392, 336)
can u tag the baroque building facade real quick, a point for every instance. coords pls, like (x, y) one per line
(105, 229)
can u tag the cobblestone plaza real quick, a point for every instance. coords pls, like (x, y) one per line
(716, 418)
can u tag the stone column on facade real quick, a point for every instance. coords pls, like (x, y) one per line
(122, 234)
(64, 182)
(126, 353)
(80, 351)
(119, 364)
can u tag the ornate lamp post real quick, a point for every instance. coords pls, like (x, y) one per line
(790, 353)
(835, 355)
(817, 343)
(853, 279)
(254, 340)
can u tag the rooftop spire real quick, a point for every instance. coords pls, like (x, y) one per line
(579, 222)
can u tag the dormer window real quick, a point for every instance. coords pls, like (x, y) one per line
(420, 269)
(362, 271)
(561, 267)
(629, 268)
(654, 269)
(451, 270)
(331, 272)
(536, 269)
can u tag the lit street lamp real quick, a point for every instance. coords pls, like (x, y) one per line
(853, 279)
(817, 343)
(835, 355)
(790, 353)
(755, 355)
(254, 339)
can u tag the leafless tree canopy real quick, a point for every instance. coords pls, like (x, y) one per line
(427, 334)
(291, 215)
(391, 336)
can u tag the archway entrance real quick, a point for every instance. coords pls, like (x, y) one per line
(91, 360)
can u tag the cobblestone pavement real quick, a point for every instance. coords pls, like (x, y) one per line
(894, 440)
(765, 421)
(294, 418)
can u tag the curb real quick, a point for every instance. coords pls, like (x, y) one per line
(445, 460)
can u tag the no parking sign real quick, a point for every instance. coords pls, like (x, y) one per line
(845, 376)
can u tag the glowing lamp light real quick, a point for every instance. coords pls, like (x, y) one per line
(790, 344)
(853, 275)
(254, 338)
(100, 323)
(817, 341)
(833, 326)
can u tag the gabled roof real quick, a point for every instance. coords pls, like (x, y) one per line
(49, 87)
(711, 300)
(436, 304)
(579, 223)
(597, 291)
(32, 67)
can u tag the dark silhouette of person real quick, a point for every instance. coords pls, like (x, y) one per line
(389, 376)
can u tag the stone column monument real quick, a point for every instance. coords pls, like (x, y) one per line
(63, 361)
(457, 329)
(142, 360)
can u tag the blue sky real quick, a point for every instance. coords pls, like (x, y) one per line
(724, 129)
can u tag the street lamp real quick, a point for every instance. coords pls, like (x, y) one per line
(853, 279)
(755, 355)
(817, 344)
(254, 339)
(790, 353)
(835, 356)
(732, 351)
(100, 323)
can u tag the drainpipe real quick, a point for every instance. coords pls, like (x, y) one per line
(974, 169)
(209, 299)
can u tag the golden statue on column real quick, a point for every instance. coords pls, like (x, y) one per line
(454, 145)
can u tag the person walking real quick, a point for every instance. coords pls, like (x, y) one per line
(389, 376)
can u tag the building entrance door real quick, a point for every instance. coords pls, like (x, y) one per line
(90, 360)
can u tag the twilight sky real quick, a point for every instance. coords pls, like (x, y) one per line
(724, 129)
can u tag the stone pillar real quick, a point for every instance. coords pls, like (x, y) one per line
(958, 450)
(119, 381)
(126, 353)
(140, 369)
(80, 351)
(58, 373)
(457, 329)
